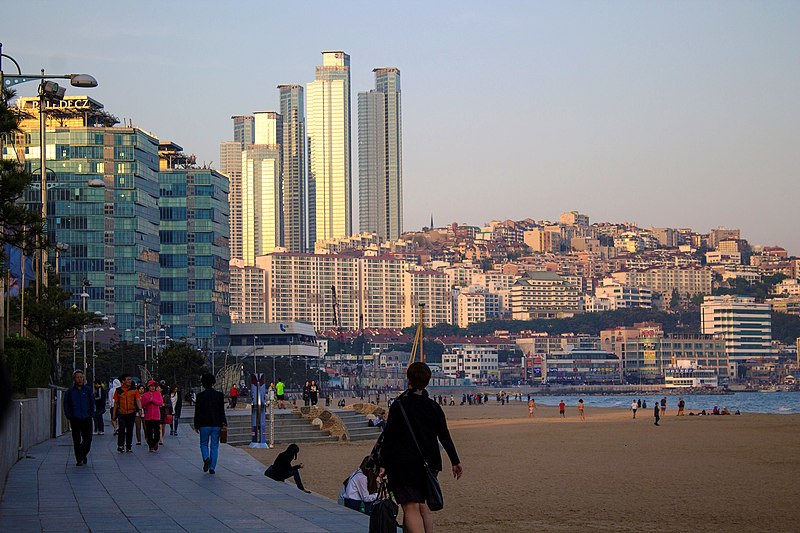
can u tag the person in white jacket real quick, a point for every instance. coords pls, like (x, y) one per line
(110, 402)
(361, 489)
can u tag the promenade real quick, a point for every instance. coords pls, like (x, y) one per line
(165, 491)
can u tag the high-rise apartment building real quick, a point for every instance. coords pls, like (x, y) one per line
(262, 210)
(292, 109)
(268, 128)
(244, 130)
(544, 295)
(328, 126)
(230, 156)
(102, 202)
(380, 156)
(194, 295)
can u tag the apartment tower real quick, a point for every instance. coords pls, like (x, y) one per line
(293, 151)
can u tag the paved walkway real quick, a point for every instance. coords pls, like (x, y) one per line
(164, 491)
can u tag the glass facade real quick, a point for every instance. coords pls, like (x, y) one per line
(380, 173)
(194, 256)
(102, 203)
(294, 167)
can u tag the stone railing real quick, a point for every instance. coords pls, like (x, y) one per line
(326, 421)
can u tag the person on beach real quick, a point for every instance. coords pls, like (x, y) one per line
(681, 406)
(127, 406)
(580, 410)
(531, 407)
(562, 408)
(282, 468)
(663, 406)
(152, 402)
(400, 454)
(361, 489)
(209, 419)
(100, 400)
(656, 412)
(633, 408)
(639, 403)
(79, 404)
(644, 404)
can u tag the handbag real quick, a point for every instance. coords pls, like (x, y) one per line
(223, 435)
(433, 491)
(383, 518)
(168, 420)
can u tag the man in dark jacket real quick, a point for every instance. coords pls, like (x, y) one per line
(209, 419)
(79, 410)
(656, 414)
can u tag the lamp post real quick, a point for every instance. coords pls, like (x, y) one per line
(147, 301)
(84, 295)
(48, 91)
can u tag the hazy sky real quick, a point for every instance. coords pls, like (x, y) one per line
(660, 113)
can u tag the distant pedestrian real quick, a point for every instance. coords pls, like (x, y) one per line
(639, 403)
(177, 405)
(209, 419)
(79, 410)
(531, 407)
(681, 406)
(633, 408)
(152, 402)
(234, 396)
(313, 393)
(452, 400)
(307, 393)
(580, 409)
(644, 404)
(656, 412)
(100, 400)
(663, 406)
(110, 404)
(280, 393)
(166, 409)
(282, 468)
(562, 408)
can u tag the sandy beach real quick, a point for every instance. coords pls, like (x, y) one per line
(609, 473)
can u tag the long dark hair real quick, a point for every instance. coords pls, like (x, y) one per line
(293, 450)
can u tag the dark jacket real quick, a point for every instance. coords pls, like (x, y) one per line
(209, 411)
(100, 396)
(79, 402)
(282, 466)
(399, 454)
(178, 405)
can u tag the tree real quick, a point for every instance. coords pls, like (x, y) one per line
(51, 320)
(27, 362)
(180, 363)
(675, 301)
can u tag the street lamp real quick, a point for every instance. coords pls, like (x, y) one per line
(48, 91)
(84, 295)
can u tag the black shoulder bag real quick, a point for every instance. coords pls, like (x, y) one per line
(434, 497)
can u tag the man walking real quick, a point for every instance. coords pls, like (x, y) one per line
(681, 405)
(280, 393)
(127, 402)
(79, 410)
(209, 419)
(634, 407)
(656, 413)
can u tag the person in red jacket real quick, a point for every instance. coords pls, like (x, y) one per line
(234, 396)
(152, 401)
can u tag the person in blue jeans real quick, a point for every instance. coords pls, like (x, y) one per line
(209, 419)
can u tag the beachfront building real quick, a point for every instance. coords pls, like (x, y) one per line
(328, 130)
(685, 374)
(294, 340)
(194, 256)
(102, 206)
(477, 363)
(646, 359)
(380, 161)
(248, 289)
(544, 295)
(744, 324)
(580, 367)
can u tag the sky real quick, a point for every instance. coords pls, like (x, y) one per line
(676, 114)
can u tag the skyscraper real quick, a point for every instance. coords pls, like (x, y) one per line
(262, 200)
(380, 156)
(230, 156)
(294, 167)
(244, 130)
(330, 175)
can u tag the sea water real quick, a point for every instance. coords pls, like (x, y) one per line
(746, 402)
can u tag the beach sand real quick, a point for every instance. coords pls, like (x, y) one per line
(609, 473)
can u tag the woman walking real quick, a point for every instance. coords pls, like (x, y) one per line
(282, 468)
(209, 419)
(177, 404)
(400, 454)
(152, 402)
(314, 392)
(100, 400)
(138, 422)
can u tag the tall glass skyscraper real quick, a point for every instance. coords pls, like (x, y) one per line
(329, 172)
(380, 156)
(194, 257)
(262, 209)
(244, 130)
(102, 203)
(294, 167)
(230, 157)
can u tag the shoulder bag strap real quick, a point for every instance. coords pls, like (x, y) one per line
(411, 430)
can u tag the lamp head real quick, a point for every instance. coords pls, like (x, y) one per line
(82, 80)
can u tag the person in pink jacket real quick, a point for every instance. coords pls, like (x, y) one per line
(151, 403)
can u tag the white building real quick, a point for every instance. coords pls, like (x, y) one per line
(544, 295)
(476, 363)
(470, 307)
(624, 296)
(745, 326)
